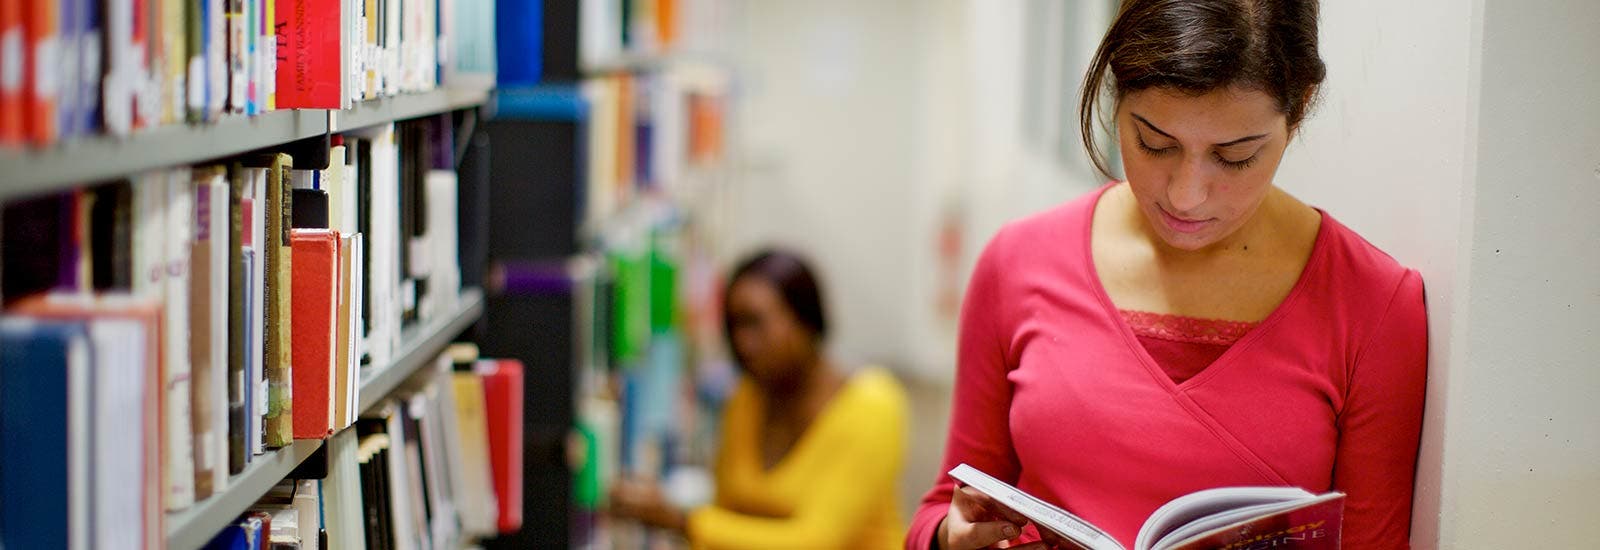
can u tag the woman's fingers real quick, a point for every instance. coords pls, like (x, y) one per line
(983, 534)
(993, 507)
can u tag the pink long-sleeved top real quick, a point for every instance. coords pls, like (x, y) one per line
(1055, 393)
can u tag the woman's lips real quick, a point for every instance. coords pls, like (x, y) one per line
(1182, 225)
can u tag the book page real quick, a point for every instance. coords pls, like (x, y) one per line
(1183, 510)
(1312, 524)
(1043, 514)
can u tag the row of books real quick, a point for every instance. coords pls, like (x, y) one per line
(423, 470)
(243, 301)
(612, 29)
(73, 68)
(648, 132)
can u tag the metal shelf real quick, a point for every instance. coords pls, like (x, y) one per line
(33, 171)
(193, 527)
(421, 346)
(25, 172)
(403, 107)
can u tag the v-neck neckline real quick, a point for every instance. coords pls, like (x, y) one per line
(1239, 347)
(806, 435)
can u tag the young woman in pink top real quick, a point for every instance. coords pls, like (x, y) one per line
(1194, 326)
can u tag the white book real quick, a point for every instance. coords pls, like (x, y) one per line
(385, 250)
(400, 483)
(149, 234)
(1232, 518)
(341, 492)
(353, 370)
(444, 275)
(117, 493)
(257, 320)
(216, 58)
(179, 236)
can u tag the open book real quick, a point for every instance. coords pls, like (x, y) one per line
(1233, 518)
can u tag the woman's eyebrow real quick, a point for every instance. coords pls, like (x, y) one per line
(1153, 128)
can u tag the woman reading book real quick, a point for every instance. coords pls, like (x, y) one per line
(1193, 326)
(810, 456)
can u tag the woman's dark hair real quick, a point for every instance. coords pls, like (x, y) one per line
(788, 273)
(1197, 46)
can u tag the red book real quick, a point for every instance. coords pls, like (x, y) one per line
(41, 78)
(12, 67)
(502, 396)
(309, 54)
(315, 287)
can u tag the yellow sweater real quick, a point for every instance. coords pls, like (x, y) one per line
(836, 487)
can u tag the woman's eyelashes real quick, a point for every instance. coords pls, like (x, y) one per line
(1169, 149)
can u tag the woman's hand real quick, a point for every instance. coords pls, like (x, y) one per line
(977, 521)
(644, 502)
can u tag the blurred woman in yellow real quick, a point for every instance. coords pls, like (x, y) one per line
(810, 456)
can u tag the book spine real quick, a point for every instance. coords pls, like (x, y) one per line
(12, 69)
(204, 401)
(279, 213)
(216, 37)
(195, 47)
(43, 73)
(315, 282)
(179, 434)
(238, 100)
(237, 289)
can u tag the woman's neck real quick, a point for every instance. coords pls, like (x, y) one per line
(812, 392)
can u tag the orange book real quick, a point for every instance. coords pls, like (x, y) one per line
(79, 307)
(11, 69)
(315, 287)
(41, 79)
(502, 398)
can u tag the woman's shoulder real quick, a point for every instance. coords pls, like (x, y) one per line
(874, 390)
(1356, 263)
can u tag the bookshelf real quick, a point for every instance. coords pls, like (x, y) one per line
(191, 528)
(26, 172)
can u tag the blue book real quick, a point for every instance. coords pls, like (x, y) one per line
(44, 466)
(232, 537)
(519, 41)
(91, 65)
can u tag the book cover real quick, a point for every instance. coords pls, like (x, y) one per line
(42, 76)
(279, 429)
(177, 411)
(43, 433)
(309, 43)
(316, 285)
(12, 68)
(502, 389)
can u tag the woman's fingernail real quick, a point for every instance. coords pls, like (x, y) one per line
(1011, 532)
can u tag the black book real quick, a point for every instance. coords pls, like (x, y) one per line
(111, 237)
(238, 442)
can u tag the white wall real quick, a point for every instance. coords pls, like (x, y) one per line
(826, 114)
(1522, 434)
